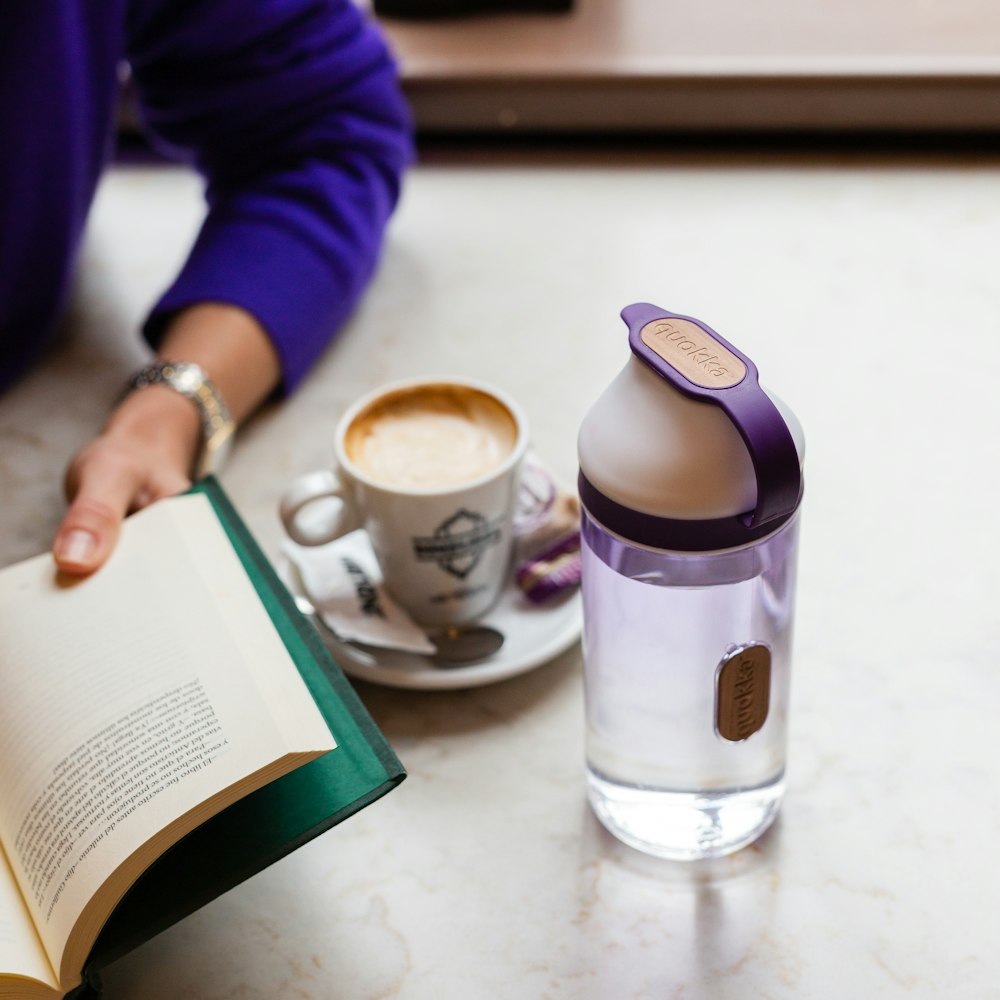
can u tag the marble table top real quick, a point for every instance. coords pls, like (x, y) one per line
(866, 289)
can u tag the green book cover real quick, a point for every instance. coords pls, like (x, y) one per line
(273, 821)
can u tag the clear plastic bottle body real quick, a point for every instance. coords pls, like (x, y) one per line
(657, 627)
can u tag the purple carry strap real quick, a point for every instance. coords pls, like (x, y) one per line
(656, 335)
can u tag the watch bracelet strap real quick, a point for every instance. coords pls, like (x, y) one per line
(190, 380)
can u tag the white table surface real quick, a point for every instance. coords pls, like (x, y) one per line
(867, 290)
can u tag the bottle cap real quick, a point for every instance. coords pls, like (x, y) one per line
(685, 450)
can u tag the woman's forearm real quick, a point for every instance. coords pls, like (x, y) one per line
(232, 348)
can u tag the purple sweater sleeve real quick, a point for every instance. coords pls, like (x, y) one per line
(292, 110)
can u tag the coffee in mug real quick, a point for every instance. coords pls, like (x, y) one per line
(431, 437)
(431, 469)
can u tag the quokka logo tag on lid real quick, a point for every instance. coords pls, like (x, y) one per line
(700, 358)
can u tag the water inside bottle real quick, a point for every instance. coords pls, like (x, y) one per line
(657, 627)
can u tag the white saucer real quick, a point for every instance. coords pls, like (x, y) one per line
(534, 634)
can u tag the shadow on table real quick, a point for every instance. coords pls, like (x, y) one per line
(680, 924)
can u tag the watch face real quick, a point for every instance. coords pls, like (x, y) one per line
(188, 378)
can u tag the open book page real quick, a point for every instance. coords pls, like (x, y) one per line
(21, 951)
(130, 698)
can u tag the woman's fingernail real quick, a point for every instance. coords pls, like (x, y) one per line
(76, 547)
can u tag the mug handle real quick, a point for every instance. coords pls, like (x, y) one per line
(307, 489)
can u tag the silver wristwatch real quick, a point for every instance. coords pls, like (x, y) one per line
(217, 426)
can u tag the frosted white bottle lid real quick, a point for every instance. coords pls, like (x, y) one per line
(684, 449)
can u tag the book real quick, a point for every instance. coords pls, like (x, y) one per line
(169, 726)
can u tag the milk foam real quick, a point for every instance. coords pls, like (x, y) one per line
(431, 438)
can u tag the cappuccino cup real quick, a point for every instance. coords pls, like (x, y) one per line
(430, 468)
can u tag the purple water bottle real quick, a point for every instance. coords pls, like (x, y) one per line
(690, 479)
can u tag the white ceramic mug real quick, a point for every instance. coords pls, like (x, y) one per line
(444, 547)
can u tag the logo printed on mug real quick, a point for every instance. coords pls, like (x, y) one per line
(459, 542)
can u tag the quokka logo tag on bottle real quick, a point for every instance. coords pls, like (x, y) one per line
(743, 691)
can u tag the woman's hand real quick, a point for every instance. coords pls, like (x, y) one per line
(144, 453)
(148, 447)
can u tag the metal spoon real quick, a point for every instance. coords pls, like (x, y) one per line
(460, 645)
(456, 646)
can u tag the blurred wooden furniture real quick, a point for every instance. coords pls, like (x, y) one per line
(663, 65)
